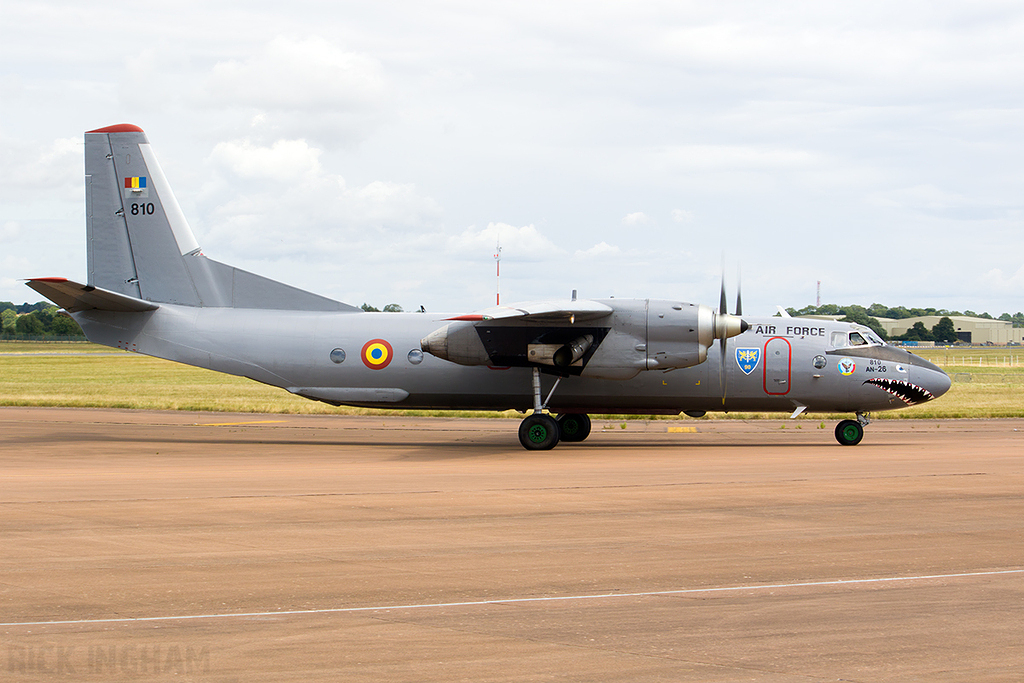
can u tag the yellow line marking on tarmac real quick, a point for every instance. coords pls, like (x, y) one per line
(232, 424)
(682, 430)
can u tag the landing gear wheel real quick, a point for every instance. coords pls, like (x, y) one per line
(849, 432)
(538, 432)
(574, 426)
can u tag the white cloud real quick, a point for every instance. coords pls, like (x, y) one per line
(9, 230)
(637, 218)
(996, 280)
(735, 157)
(284, 160)
(599, 250)
(682, 216)
(917, 197)
(277, 202)
(297, 74)
(524, 243)
(41, 169)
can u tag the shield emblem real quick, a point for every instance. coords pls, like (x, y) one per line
(748, 359)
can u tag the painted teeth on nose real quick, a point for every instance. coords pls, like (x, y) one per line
(908, 392)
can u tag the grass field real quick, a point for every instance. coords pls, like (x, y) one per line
(987, 382)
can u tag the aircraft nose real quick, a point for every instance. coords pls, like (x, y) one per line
(941, 383)
(934, 381)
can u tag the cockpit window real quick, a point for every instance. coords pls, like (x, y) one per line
(857, 340)
(839, 340)
(874, 338)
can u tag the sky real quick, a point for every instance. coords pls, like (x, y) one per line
(378, 152)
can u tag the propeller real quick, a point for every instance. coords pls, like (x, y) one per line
(722, 310)
(739, 301)
(727, 326)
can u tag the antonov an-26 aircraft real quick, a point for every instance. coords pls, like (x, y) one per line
(151, 290)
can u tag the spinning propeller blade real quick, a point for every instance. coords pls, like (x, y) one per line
(724, 334)
(739, 286)
(722, 310)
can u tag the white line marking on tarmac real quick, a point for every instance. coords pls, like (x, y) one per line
(509, 601)
(232, 424)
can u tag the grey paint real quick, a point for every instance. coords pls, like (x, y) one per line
(653, 356)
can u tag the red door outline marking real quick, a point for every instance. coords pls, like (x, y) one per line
(789, 367)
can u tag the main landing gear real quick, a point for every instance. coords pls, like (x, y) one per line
(850, 432)
(541, 432)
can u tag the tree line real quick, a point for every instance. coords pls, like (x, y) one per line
(943, 332)
(902, 312)
(37, 320)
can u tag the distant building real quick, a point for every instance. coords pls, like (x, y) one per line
(968, 330)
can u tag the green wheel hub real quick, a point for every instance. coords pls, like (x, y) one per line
(538, 433)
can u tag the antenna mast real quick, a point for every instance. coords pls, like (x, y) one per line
(497, 276)
(819, 294)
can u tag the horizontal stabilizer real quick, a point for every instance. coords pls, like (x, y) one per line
(74, 297)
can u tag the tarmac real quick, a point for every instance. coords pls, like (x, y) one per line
(155, 546)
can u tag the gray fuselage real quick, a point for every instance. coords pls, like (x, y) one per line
(293, 350)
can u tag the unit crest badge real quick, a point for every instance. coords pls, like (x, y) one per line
(748, 359)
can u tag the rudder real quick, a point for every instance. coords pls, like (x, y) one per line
(136, 232)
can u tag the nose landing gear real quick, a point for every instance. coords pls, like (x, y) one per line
(850, 432)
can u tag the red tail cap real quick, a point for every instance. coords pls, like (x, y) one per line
(119, 128)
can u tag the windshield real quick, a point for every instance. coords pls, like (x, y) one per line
(842, 340)
(874, 338)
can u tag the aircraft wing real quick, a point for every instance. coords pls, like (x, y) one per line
(562, 333)
(74, 297)
(543, 311)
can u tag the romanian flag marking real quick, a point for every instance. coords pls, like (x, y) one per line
(135, 183)
(377, 353)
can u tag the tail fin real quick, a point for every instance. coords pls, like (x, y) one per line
(140, 245)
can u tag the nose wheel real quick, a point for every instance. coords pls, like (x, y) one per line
(850, 432)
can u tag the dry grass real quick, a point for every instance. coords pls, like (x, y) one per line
(85, 375)
(88, 376)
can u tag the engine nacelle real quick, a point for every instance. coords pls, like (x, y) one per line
(636, 335)
(457, 342)
(679, 334)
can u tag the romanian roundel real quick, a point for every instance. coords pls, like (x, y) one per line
(377, 354)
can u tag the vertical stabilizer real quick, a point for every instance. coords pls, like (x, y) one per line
(136, 231)
(140, 245)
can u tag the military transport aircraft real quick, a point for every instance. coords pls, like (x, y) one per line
(151, 290)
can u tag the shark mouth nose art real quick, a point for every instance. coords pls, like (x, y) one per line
(906, 391)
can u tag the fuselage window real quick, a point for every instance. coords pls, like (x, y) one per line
(839, 340)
